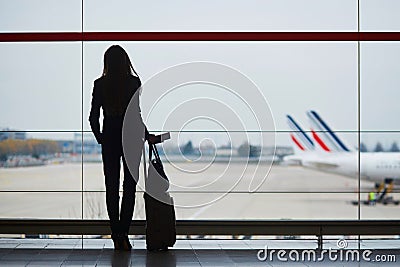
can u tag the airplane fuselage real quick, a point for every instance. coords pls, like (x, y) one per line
(373, 166)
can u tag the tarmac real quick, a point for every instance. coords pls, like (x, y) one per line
(201, 191)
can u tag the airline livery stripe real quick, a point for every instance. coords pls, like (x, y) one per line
(296, 142)
(301, 134)
(330, 143)
(301, 137)
(330, 132)
(319, 141)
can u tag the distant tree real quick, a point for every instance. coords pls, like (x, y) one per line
(34, 147)
(188, 148)
(394, 147)
(378, 147)
(247, 150)
(254, 151)
(3, 157)
(363, 148)
(244, 149)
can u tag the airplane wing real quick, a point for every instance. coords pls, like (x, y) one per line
(321, 165)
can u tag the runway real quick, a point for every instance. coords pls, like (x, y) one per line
(200, 191)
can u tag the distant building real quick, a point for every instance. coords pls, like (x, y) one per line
(67, 146)
(12, 134)
(89, 146)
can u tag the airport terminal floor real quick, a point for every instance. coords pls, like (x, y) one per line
(197, 252)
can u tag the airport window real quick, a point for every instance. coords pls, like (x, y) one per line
(41, 16)
(50, 159)
(223, 16)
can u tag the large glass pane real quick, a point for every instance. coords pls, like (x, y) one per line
(226, 162)
(222, 162)
(380, 165)
(379, 15)
(292, 77)
(40, 16)
(40, 205)
(380, 86)
(255, 15)
(40, 86)
(207, 168)
(31, 161)
(380, 174)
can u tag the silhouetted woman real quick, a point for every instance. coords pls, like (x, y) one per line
(112, 92)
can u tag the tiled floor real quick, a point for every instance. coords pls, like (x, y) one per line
(99, 252)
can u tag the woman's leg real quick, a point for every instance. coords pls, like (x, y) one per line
(128, 197)
(111, 167)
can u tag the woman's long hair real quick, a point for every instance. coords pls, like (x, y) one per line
(117, 71)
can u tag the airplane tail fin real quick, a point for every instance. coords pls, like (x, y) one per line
(330, 142)
(299, 136)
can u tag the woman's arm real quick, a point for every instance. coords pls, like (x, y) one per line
(147, 136)
(151, 138)
(95, 114)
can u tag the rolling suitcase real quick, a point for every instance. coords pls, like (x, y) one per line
(159, 206)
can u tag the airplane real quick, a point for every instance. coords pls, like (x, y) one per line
(332, 155)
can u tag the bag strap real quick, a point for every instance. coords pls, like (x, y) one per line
(153, 149)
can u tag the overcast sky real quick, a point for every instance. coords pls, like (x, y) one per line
(41, 88)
